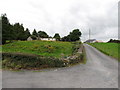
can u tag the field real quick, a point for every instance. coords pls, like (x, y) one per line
(44, 48)
(110, 49)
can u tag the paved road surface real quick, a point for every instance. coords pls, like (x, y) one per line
(100, 71)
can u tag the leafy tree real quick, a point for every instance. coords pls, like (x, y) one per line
(19, 31)
(42, 34)
(6, 29)
(73, 36)
(35, 33)
(113, 41)
(57, 36)
(27, 33)
(33, 37)
(65, 38)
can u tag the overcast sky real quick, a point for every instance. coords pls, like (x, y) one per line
(62, 16)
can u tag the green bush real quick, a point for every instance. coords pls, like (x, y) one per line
(25, 61)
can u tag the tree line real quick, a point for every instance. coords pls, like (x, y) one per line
(18, 32)
(113, 41)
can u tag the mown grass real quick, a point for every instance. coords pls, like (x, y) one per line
(110, 49)
(44, 48)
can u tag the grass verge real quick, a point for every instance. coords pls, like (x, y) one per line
(110, 49)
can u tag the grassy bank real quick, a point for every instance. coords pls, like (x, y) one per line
(110, 49)
(40, 54)
(44, 48)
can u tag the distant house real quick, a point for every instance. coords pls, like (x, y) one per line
(43, 39)
(48, 39)
(99, 41)
(29, 39)
(91, 41)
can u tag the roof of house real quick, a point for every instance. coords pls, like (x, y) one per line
(90, 40)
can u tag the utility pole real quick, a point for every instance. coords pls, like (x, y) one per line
(89, 34)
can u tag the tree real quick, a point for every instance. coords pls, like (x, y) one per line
(65, 38)
(42, 34)
(73, 36)
(35, 33)
(27, 33)
(57, 36)
(6, 29)
(33, 37)
(113, 41)
(19, 31)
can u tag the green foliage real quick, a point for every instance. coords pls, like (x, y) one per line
(57, 36)
(13, 32)
(42, 34)
(110, 49)
(26, 61)
(33, 37)
(27, 33)
(6, 29)
(73, 36)
(34, 33)
(113, 41)
(19, 31)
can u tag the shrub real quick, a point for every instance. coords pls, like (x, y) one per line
(33, 37)
(25, 61)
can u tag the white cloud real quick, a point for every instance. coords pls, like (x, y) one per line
(63, 16)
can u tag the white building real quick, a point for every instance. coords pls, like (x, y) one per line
(29, 39)
(91, 41)
(48, 39)
(43, 39)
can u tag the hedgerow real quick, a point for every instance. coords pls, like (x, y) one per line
(26, 61)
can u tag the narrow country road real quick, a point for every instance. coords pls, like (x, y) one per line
(100, 71)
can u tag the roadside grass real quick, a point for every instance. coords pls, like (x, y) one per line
(44, 48)
(110, 49)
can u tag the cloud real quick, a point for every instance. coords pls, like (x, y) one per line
(62, 16)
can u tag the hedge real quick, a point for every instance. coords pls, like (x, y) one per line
(25, 61)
